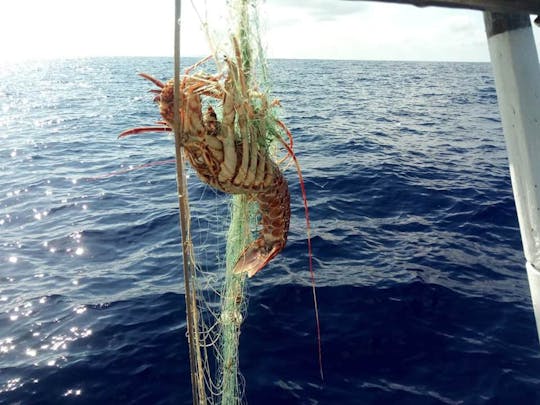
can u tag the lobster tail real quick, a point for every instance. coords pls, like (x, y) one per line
(254, 258)
(275, 209)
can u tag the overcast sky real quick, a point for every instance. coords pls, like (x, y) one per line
(323, 29)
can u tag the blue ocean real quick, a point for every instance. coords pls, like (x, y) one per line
(422, 289)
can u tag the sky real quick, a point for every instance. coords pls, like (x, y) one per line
(309, 29)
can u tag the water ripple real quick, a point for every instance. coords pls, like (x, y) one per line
(423, 295)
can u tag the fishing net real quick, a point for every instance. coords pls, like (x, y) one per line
(221, 310)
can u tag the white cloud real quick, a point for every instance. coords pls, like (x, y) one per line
(322, 10)
(66, 28)
(378, 31)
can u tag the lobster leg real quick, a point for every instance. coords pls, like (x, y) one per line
(152, 79)
(228, 167)
(139, 130)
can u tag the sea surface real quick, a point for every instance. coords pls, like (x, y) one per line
(420, 275)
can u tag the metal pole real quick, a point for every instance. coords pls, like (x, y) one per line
(197, 380)
(517, 77)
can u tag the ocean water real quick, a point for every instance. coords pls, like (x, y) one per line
(421, 282)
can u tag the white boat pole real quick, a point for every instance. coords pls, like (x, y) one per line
(514, 59)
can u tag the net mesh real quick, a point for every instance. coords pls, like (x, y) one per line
(221, 301)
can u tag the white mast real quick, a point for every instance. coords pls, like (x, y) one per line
(517, 78)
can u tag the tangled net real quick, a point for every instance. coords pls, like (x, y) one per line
(220, 312)
(229, 148)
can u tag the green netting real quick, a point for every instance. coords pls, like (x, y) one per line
(233, 298)
(219, 328)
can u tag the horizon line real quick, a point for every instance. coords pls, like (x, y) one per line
(52, 58)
